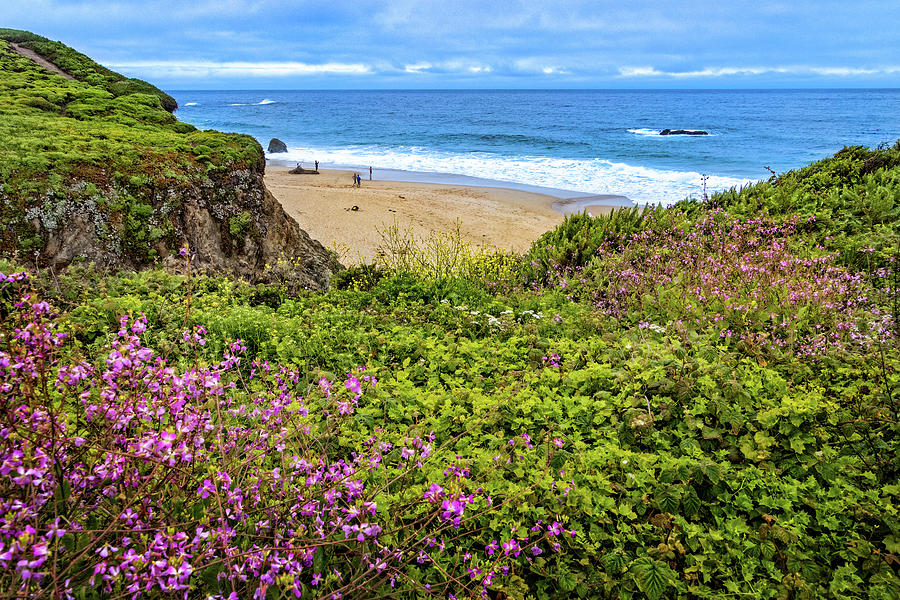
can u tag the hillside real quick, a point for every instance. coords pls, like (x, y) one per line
(97, 169)
(76, 65)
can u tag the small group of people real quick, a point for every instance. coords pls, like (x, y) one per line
(357, 180)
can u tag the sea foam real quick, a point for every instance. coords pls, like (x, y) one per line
(643, 185)
(644, 131)
(191, 103)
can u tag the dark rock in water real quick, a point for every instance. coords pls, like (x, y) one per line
(682, 132)
(276, 145)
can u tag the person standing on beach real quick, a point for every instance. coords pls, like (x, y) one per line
(317, 165)
(370, 173)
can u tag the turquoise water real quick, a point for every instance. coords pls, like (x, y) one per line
(594, 142)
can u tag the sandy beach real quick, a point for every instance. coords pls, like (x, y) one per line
(323, 206)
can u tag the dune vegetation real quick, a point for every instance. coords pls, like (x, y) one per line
(701, 401)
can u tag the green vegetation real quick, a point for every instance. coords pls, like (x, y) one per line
(105, 147)
(83, 68)
(713, 390)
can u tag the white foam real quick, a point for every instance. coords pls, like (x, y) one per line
(238, 104)
(192, 103)
(591, 176)
(644, 131)
(264, 102)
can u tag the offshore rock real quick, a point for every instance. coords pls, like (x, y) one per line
(276, 145)
(683, 132)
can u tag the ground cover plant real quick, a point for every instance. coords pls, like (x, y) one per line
(152, 478)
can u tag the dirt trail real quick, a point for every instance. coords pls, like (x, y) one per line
(40, 60)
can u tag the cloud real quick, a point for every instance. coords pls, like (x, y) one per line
(852, 72)
(176, 68)
(591, 43)
(652, 72)
(418, 67)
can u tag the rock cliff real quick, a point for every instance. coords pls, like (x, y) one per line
(89, 174)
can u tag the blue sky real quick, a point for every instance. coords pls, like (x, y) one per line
(372, 44)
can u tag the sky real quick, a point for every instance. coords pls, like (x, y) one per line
(483, 44)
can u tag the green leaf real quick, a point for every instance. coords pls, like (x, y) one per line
(653, 577)
(613, 562)
(691, 503)
(711, 471)
(669, 499)
(567, 582)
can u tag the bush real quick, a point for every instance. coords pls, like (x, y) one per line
(134, 478)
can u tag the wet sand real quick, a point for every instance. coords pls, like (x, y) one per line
(323, 206)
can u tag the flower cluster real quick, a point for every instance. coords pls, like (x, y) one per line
(141, 479)
(752, 281)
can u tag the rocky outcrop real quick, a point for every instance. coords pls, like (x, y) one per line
(683, 132)
(299, 170)
(276, 145)
(161, 186)
(230, 223)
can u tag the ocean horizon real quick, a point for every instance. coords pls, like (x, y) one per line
(566, 143)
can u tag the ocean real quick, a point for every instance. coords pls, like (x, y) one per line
(565, 142)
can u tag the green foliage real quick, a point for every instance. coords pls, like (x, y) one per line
(83, 68)
(445, 256)
(240, 224)
(686, 468)
(853, 199)
(573, 243)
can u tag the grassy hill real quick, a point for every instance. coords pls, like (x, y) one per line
(102, 144)
(96, 169)
(83, 68)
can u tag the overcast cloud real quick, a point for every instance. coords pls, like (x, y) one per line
(231, 44)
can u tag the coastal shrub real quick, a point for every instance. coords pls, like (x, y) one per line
(569, 246)
(663, 449)
(854, 197)
(754, 281)
(358, 277)
(445, 256)
(134, 478)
